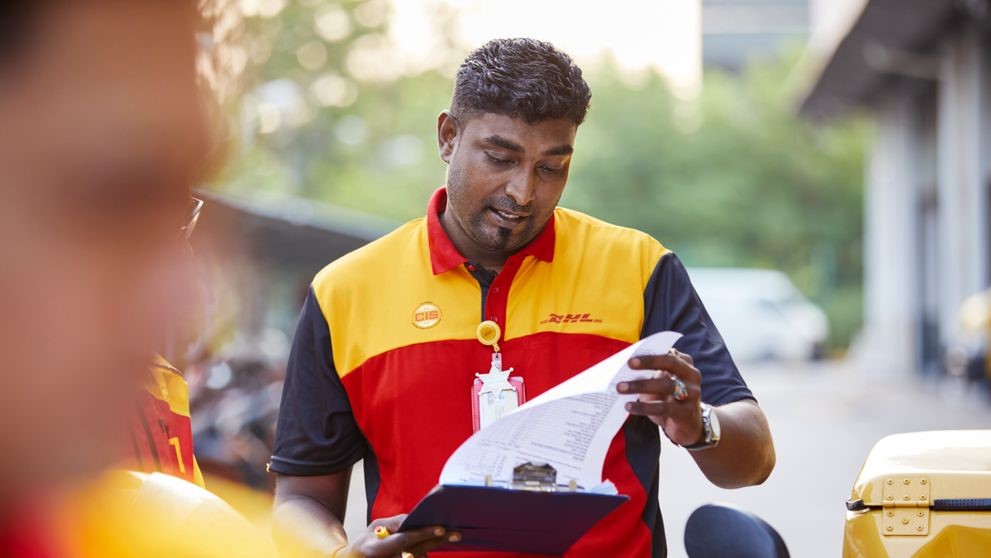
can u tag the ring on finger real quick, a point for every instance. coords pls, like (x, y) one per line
(680, 392)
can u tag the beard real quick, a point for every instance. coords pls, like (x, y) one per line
(476, 219)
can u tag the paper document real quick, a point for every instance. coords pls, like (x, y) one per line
(569, 427)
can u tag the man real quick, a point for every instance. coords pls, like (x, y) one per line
(104, 134)
(161, 425)
(385, 354)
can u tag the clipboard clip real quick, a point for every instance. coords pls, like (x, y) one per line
(536, 477)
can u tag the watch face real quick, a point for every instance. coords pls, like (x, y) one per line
(714, 423)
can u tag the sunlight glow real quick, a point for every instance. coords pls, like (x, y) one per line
(663, 35)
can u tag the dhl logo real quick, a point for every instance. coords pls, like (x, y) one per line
(570, 319)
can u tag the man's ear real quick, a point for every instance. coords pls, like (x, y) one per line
(448, 135)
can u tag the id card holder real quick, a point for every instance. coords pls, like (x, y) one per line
(489, 407)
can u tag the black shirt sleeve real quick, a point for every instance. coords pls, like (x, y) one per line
(671, 303)
(316, 432)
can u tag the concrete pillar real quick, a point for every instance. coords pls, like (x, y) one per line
(888, 344)
(984, 152)
(964, 142)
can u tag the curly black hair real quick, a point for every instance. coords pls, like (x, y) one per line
(523, 78)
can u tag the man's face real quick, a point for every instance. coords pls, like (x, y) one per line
(103, 136)
(504, 179)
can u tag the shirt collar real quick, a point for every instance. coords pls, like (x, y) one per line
(444, 256)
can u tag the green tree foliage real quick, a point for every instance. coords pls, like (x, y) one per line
(731, 178)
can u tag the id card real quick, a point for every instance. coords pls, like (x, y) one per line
(490, 403)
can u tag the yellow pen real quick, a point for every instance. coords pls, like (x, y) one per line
(381, 532)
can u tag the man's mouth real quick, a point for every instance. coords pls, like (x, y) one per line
(508, 216)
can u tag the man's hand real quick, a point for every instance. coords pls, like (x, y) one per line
(680, 420)
(745, 454)
(416, 543)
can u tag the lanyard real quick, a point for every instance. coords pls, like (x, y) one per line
(495, 393)
(488, 333)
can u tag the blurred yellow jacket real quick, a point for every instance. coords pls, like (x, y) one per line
(128, 514)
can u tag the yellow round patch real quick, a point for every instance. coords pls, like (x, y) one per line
(426, 315)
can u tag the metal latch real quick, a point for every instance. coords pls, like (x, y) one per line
(905, 505)
(534, 477)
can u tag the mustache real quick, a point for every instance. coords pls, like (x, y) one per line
(508, 205)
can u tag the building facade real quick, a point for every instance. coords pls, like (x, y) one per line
(922, 70)
(735, 32)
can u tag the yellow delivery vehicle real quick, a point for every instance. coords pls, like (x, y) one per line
(918, 495)
(923, 494)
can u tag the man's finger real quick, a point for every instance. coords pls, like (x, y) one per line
(651, 408)
(399, 542)
(425, 547)
(391, 523)
(684, 356)
(662, 386)
(669, 363)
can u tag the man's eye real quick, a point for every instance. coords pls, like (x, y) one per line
(497, 161)
(551, 170)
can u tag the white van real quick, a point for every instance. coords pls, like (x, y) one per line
(761, 314)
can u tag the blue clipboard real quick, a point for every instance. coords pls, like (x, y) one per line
(503, 519)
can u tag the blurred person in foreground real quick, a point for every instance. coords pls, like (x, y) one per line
(385, 353)
(105, 131)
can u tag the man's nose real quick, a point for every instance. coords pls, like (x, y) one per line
(522, 187)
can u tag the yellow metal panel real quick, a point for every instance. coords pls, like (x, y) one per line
(957, 541)
(951, 535)
(953, 464)
(958, 462)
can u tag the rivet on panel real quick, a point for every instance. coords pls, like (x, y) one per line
(918, 528)
(890, 527)
(891, 481)
(906, 481)
(907, 497)
(923, 497)
(904, 521)
(923, 481)
(919, 513)
(891, 514)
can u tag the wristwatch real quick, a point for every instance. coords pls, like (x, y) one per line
(710, 429)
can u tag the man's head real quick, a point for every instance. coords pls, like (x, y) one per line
(104, 134)
(508, 140)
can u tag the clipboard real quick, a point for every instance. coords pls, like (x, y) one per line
(538, 519)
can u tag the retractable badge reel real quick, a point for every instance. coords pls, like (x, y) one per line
(496, 393)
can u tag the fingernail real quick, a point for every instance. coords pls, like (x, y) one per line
(623, 387)
(439, 532)
(634, 362)
(456, 537)
(629, 406)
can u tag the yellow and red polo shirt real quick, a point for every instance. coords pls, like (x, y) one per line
(385, 354)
